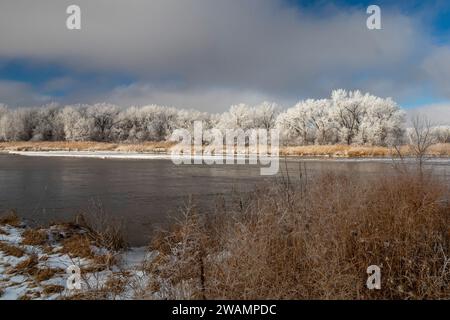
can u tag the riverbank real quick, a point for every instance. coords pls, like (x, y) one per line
(330, 151)
(315, 239)
(309, 239)
(34, 262)
(43, 146)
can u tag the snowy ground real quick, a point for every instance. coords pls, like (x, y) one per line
(39, 271)
(120, 155)
(93, 154)
(155, 156)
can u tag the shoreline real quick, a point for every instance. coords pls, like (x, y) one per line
(124, 155)
(34, 262)
(161, 150)
(197, 256)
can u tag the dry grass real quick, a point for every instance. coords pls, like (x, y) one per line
(92, 228)
(96, 229)
(181, 257)
(103, 231)
(76, 239)
(45, 274)
(315, 240)
(33, 237)
(442, 149)
(29, 267)
(437, 150)
(53, 289)
(85, 146)
(28, 263)
(77, 245)
(11, 250)
(10, 218)
(116, 284)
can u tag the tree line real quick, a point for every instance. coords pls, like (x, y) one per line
(347, 117)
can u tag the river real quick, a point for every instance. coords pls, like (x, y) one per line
(144, 194)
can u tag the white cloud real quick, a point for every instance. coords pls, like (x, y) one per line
(438, 114)
(211, 99)
(437, 67)
(192, 52)
(20, 94)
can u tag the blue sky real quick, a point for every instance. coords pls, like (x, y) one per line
(209, 54)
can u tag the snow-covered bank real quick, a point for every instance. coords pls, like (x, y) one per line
(94, 154)
(34, 262)
(165, 156)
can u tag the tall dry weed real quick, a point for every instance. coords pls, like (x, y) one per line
(315, 240)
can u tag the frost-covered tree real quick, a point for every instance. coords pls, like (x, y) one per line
(239, 116)
(265, 115)
(295, 124)
(77, 126)
(420, 137)
(47, 124)
(3, 114)
(3, 109)
(382, 123)
(320, 118)
(16, 125)
(186, 118)
(349, 110)
(160, 121)
(105, 118)
(130, 126)
(345, 117)
(441, 134)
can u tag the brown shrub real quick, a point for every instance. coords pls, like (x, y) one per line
(27, 266)
(441, 149)
(10, 218)
(92, 229)
(116, 284)
(77, 245)
(44, 274)
(181, 256)
(53, 289)
(11, 250)
(103, 231)
(315, 240)
(161, 146)
(34, 237)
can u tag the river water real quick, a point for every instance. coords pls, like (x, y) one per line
(143, 194)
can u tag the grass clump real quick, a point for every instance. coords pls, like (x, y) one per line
(10, 218)
(34, 237)
(44, 274)
(53, 289)
(315, 239)
(77, 245)
(11, 250)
